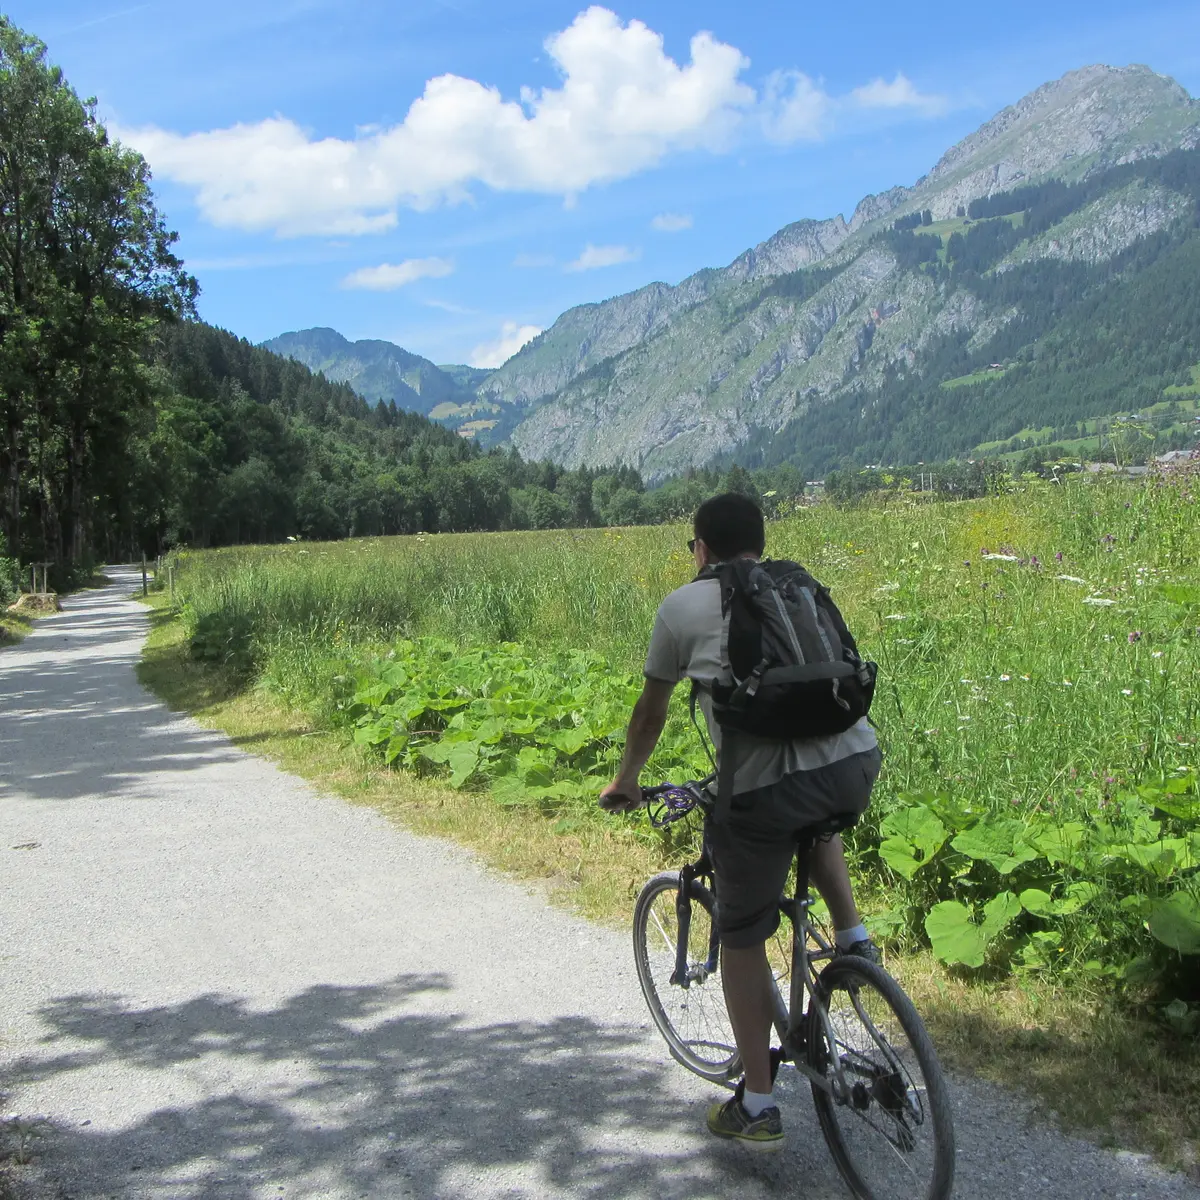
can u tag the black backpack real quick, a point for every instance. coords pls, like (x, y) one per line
(790, 667)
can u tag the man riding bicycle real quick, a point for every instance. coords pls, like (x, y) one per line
(779, 787)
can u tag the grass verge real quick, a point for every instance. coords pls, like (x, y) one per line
(13, 627)
(1093, 1067)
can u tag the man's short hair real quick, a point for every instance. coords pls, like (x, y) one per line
(730, 524)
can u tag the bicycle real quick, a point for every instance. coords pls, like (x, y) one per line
(880, 1096)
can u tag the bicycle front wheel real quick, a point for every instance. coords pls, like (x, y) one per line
(888, 1123)
(690, 1014)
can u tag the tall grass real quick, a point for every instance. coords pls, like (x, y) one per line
(1003, 678)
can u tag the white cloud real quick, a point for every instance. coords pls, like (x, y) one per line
(623, 105)
(672, 222)
(603, 256)
(512, 338)
(900, 93)
(794, 108)
(533, 260)
(387, 277)
(447, 306)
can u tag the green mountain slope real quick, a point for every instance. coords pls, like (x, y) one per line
(380, 371)
(826, 317)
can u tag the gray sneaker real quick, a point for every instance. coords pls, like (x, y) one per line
(864, 949)
(731, 1120)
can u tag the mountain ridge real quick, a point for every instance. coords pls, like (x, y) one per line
(667, 378)
(378, 370)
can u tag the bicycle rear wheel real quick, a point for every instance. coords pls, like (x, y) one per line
(692, 1019)
(891, 1133)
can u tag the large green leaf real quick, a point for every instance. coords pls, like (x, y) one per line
(898, 854)
(1000, 842)
(1038, 902)
(510, 791)
(998, 912)
(1175, 921)
(955, 937)
(570, 741)
(374, 733)
(1177, 797)
(1063, 844)
(911, 837)
(1158, 858)
(1076, 897)
(461, 757)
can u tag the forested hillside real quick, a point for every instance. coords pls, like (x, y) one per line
(127, 426)
(248, 446)
(1078, 339)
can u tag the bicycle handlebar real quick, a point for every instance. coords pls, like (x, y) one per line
(670, 802)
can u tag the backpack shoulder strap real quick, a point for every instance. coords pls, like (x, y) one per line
(725, 773)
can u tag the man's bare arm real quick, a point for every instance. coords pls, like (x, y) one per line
(645, 728)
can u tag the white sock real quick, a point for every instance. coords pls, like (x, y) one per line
(846, 938)
(755, 1102)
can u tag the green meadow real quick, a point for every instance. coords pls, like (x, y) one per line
(1038, 701)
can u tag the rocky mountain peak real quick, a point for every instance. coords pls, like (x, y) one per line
(1089, 118)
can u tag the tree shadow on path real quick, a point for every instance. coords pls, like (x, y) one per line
(336, 1093)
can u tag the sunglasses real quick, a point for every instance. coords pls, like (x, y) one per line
(691, 545)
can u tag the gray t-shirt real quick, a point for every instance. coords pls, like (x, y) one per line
(686, 644)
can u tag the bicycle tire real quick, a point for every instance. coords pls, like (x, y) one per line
(693, 1020)
(898, 1113)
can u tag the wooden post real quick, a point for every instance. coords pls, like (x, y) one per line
(145, 588)
(171, 582)
(33, 579)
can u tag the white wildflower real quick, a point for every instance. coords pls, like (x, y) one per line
(895, 617)
(1099, 601)
(1156, 654)
(1001, 558)
(1070, 579)
(1127, 691)
(1005, 678)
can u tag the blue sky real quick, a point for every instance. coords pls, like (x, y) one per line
(557, 154)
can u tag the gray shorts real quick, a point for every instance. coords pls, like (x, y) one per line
(753, 850)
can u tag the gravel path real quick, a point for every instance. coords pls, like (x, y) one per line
(218, 983)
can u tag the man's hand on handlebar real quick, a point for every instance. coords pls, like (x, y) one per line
(621, 797)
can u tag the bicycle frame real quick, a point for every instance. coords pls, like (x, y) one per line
(790, 1017)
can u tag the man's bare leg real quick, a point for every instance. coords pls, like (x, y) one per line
(746, 977)
(831, 877)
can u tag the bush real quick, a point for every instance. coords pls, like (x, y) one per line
(10, 574)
